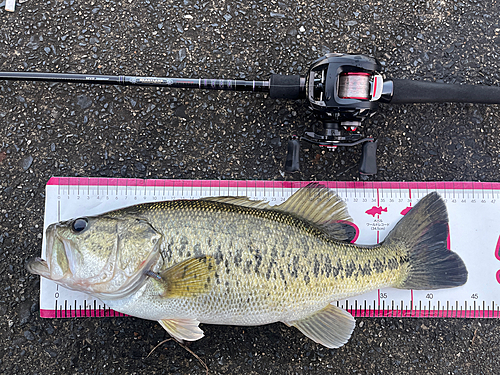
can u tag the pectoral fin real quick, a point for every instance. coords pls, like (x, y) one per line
(331, 327)
(182, 329)
(189, 278)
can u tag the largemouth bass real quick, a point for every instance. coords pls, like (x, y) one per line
(230, 260)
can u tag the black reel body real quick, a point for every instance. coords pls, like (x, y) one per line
(342, 90)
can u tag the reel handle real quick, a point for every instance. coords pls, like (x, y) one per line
(292, 155)
(409, 91)
(368, 165)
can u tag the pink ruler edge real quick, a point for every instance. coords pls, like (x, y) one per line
(431, 185)
(88, 313)
(357, 313)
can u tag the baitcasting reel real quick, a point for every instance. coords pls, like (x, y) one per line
(342, 91)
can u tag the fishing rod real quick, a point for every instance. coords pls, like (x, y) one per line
(342, 90)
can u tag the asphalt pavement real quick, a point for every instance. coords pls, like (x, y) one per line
(80, 130)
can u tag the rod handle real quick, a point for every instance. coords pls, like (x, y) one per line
(409, 91)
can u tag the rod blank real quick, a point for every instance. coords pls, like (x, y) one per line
(190, 83)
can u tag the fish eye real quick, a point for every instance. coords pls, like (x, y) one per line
(79, 225)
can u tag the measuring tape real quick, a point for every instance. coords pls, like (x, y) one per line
(473, 209)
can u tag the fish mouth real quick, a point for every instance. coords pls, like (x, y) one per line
(39, 266)
(55, 266)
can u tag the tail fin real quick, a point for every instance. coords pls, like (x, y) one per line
(423, 232)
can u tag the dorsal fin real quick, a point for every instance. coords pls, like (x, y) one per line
(321, 207)
(313, 203)
(240, 201)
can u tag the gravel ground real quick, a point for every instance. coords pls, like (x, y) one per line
(78, 130)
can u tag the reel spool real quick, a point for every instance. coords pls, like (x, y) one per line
(354, 86)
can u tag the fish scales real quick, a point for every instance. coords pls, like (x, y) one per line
(263, 274)
(230, 260)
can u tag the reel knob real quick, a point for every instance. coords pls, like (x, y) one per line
(292, 155)
(368, 164)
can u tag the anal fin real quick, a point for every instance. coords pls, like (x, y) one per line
(182, 329)
(331, 326)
